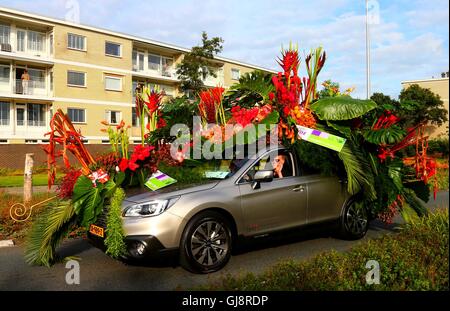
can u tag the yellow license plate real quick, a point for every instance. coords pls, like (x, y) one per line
(96, 230)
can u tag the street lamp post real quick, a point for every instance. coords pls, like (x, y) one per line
(367, 50)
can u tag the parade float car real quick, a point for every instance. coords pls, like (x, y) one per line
(243, 199)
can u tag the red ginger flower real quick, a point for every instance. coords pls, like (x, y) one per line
(154, 100)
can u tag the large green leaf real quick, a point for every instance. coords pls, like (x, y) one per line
(341, 108)
(384, 136)
(271, 118)
(88, 200)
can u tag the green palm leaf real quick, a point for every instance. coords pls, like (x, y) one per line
(48, 231)
(341, 108)
(359, 173)
(253, 87)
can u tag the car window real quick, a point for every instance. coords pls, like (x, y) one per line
(280, 161)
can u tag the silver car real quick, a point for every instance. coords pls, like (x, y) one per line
(244, 198)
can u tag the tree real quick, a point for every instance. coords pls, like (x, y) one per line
(194, 66)
(330, 89)
(422, 105)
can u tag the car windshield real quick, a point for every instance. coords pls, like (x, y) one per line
(222, 169)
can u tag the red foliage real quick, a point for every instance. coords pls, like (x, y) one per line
(244, 116)
(154, 100)
(65, 189)
(386, 120)
(210, 100)
(63, 132)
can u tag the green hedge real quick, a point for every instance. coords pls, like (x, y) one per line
(416, 258)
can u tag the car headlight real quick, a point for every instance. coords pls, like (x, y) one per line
(151, 208)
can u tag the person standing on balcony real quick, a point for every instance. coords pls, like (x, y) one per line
(25, 81)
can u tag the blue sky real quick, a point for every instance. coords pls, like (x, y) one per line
(410, 40)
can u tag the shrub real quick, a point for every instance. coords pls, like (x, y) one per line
(439, 145)
(416, 258)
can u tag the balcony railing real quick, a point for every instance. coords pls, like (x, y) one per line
(162, 72)
(30, 87)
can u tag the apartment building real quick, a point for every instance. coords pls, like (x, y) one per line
(90, 73)
(440, 87)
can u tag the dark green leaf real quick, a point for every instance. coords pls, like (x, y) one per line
(342, 108)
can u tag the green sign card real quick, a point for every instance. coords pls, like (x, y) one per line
(321, 138)
(159, 180)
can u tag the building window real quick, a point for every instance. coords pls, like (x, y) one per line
(4, 75)
(21, 40)
(4, 113)
(138, 61)
(154, 62)
(76, 42)
(113, 83)
(113, 117)
(77, 115)
(75, 78)
(113, 49)
(35, 41)
(235, 74)
(134, 118)
(36, 115)
(5, 32)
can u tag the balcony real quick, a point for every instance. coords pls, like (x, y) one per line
(147, 65)
(32, 87)
(25, 44)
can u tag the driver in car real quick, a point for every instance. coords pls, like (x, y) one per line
(277, 164)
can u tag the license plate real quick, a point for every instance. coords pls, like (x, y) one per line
(96, 230)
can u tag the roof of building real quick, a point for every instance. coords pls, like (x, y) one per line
(121, 35)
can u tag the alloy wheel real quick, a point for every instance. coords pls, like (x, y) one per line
(209, 243)
(356, 219)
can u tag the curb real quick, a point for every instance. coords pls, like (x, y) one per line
(6, 243)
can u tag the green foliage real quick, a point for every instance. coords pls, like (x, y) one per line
(359, 173)
(184, 175)
(178, 110)
(316, 158)
(438, 145)
(88, 200)
(114, 240)
(341, 108)
(47, 232)
(253, 88)
(330, 89)
(194, 67)
(426, 106)
(384, 136)
(414, 259)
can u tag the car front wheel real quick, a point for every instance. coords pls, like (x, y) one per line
(354, 221)
(206, 243)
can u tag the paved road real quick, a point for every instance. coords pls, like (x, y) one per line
(99, 272)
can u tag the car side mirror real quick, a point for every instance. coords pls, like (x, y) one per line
(261, 176)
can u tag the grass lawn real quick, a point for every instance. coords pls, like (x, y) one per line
(17, 181)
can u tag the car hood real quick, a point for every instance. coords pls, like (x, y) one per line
(144, 195)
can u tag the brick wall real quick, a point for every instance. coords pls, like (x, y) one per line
(13, 155)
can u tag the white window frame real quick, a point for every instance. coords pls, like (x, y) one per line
(84, 42)
(110, 76)
(233, 70)
(108, 116)
(77, 108)
(120, 49)
(76, 85)
(43, 43)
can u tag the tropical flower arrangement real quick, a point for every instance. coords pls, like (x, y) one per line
(370, 159)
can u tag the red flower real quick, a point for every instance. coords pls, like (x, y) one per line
(209, 101)
(161, 123)
(271, 96)
(123, 165)
(141, 153)
(132, 166)
(154, 99)
(65, 189)
(121, 125)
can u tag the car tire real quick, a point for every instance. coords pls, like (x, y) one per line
(354, 221)
(206, 243)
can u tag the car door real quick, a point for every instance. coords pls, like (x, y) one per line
(279, 204)
(326, 194)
